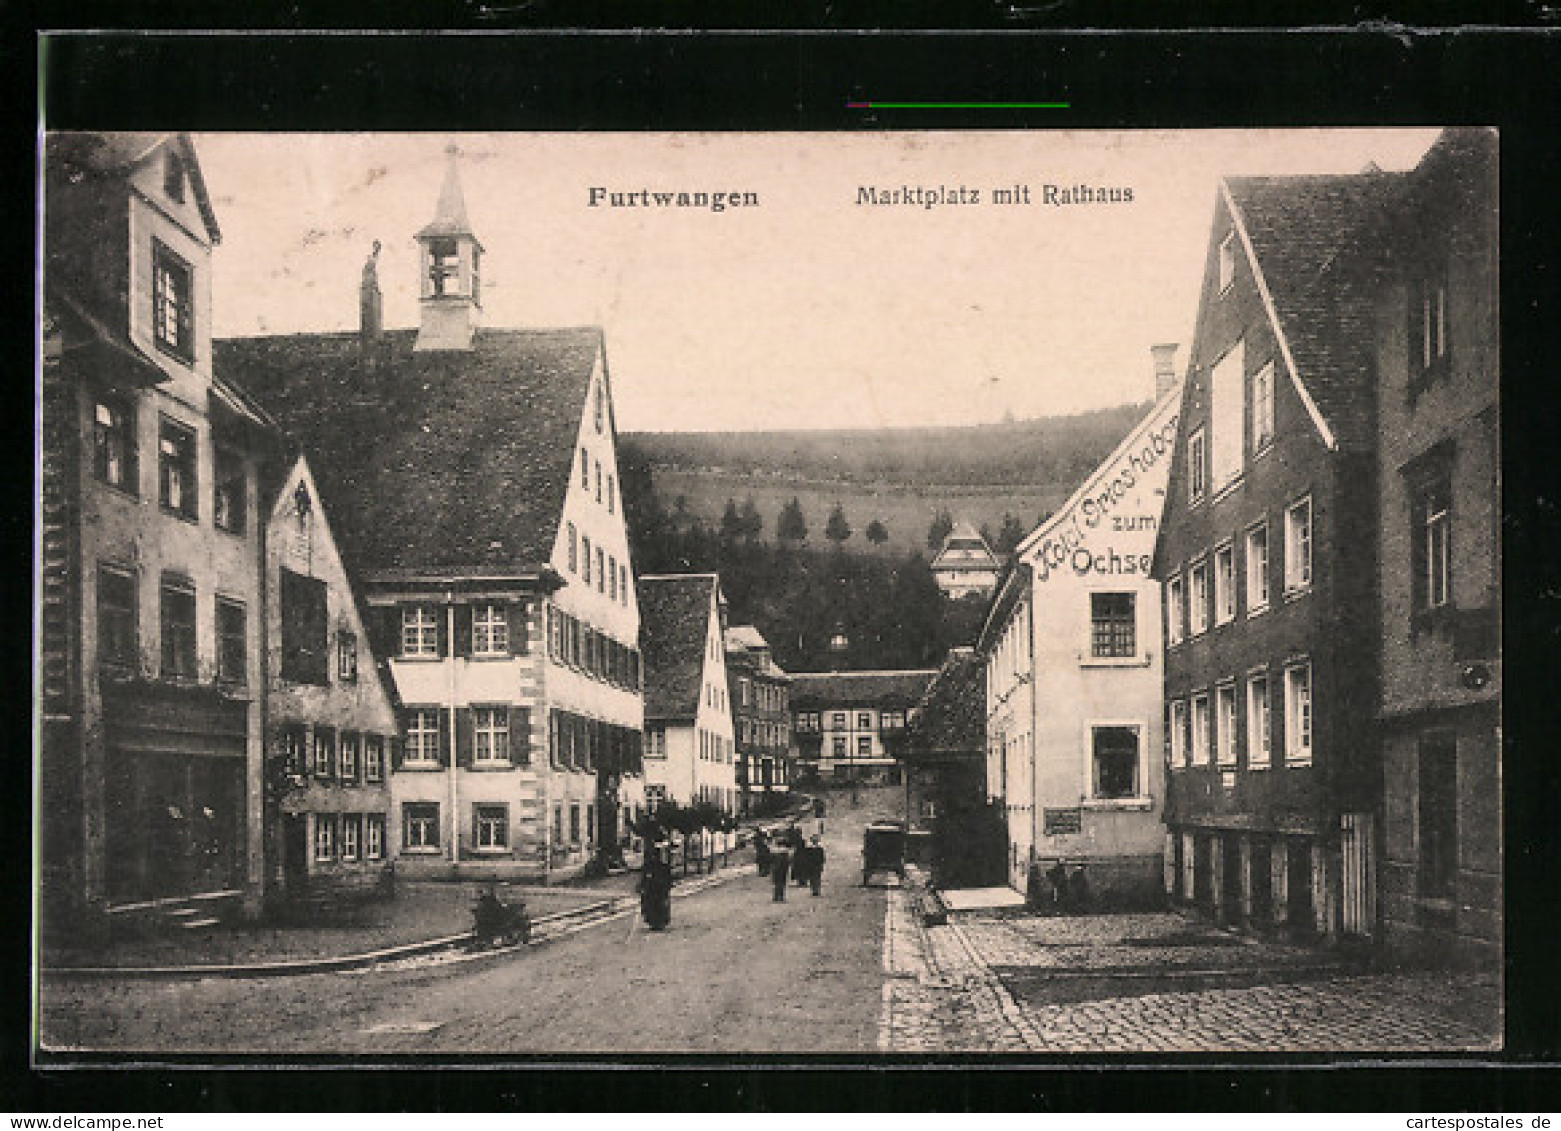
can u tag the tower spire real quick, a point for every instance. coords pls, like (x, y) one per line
(450, 259)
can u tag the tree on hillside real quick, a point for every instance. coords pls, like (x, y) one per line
(752, 521)
(791, 526)
(731, 523)
(942, 526)
(837, 529)
(1009, 537)
(877, 533)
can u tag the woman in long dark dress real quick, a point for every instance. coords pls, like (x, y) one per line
(656, 888)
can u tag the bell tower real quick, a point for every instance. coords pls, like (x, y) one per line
(450, 263)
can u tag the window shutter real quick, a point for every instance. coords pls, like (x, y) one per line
(463, 629)
(396, 747)
(441, 630)
(1419, 589)
(444, 735)
(519, 629)
(465, 736)
(520, 736)
(553, 739)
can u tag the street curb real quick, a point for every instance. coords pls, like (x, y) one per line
(336, 964)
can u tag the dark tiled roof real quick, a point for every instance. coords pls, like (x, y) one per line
(850, 689)
(449, 462)
(951, 718)
(1314, 238)
(674, 625)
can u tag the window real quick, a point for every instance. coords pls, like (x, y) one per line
(1200, 730)
(1224, 584)
(420, 826)
(840, 747)
(113, 442)
(324, 752)
(173, 177)
(290, 746)
(864, 720)
(1227, 264)
(1262, 401)
(374, 836)
(864, 747)
(1175, 611)
(1115, 761)
(1227, 386)
(444, 260)
(373, 758)
(491, 728)
(176, 469)
(612, 577)
(1198, 591)
(1197, 467)
(1259, 722)
(656, 743)
(1298, 546)
(1428, 328)
(347, 657)
(117, 617)
(1225, 724)
(892, 720)
(838, 720)
(586, 542)
(305, 629)
(419, 630)
(601, 571)
(230, 495)
(623, 584)
(601, 408)
(490, 630)
(1113, 630)
(574, 824)
(1438, 812)
(172, 312)
(610, 493)
(1298, 713)
(178, 624)
(325, 836)
(350, 745)
(1255, 562)
(1433, 546)
(351, 835)
(490, 827)
(232, 646)
(1178, 732)
(585, 469)
(423, 735)
(574, 550)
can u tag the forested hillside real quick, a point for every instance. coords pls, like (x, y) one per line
(819, 534)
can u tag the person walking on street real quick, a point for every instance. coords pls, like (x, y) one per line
(656, 886)
(816, 864)
(799, 854)
(780, 871)
(761, 851)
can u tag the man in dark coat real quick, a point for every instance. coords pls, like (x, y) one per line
(761, 851)
(656, 887)
(780, 870)
(815, 852)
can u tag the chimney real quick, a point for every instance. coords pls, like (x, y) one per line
(371, 314)
(1164, 367)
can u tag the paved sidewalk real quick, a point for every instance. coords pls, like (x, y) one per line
(1158, 984)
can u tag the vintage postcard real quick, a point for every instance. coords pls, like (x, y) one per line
(638, 595)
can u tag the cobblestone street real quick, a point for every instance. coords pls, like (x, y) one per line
(1158, 983)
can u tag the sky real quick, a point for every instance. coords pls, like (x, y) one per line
(811, 310)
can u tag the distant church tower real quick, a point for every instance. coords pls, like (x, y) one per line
(450, 260)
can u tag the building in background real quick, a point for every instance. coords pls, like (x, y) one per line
(151, 677)
(330, 722)
(966, 565)
(1438, 368)
(690, 750)
(471, 478)
(1073, 709)
(849, 725)
(760, 694)
(1268, 557)
(945, 776)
